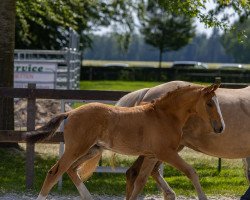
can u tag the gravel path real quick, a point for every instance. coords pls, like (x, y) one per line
(51, 197)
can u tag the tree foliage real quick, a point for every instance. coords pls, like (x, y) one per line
(238, 47)
(45, 23)
(212, 17)
(166, 31)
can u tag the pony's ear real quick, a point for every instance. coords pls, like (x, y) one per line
(211, 88)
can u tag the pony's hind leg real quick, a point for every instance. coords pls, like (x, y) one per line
(54, 173)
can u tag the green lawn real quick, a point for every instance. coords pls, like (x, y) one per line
(116, 85)
(230, 182)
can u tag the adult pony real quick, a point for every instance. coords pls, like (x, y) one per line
(153, 130)
(234, 143)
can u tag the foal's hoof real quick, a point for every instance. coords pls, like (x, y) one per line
(171, 196)
(203, 198)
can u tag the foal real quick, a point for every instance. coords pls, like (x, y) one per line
(153, 130)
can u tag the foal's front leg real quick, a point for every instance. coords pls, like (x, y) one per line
(137, 169)
(176, 161)
(146, 168)
(168, 193)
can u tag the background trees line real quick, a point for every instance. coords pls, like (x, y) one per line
(219, 47)
(202, 48)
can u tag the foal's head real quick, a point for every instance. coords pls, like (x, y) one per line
(208, 106)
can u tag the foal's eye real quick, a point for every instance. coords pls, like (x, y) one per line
(209, 104)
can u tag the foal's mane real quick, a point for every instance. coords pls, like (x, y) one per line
(171, 96)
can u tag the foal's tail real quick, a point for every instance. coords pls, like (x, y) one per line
(133, 98)
(45, 131)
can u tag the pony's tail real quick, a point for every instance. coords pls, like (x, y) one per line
(86, 169)
(132, 99)
(45, 131)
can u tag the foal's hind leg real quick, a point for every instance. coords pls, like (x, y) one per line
(146, 168)
(72, 171)
(54, 173)
(176, 161)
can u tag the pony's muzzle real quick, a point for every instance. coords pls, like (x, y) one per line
(218, 127)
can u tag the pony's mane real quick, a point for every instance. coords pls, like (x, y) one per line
(175, 93)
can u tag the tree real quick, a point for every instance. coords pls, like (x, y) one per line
(166, 31)
(44, 24)
(7, 41)
(238, 47)
(212, 17)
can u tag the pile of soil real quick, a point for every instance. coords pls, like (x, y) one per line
(46, 109)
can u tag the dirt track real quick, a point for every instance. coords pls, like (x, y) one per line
(95, 197)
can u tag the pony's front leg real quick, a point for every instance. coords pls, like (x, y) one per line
(176, 161)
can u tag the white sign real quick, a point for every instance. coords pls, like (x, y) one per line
(43, 74)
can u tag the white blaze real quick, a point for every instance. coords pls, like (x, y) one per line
(219, 111)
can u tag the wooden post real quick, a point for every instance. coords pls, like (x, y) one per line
(219, 165)
(30, 147)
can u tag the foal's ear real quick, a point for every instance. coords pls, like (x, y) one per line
(211, 88)
(142, 103)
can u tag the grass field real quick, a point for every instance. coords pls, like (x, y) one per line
(230, 182)
(142, 63)
(116, 85)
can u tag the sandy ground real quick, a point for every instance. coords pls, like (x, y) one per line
(95, 197)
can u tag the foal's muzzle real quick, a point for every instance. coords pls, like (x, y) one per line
(218, 128)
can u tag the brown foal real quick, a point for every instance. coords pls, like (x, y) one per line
(153, 130)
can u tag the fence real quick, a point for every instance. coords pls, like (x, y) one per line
(32, 94)
(164, 74)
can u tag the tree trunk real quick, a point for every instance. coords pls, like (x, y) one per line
(7, 44)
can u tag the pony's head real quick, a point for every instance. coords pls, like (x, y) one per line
(211, 108)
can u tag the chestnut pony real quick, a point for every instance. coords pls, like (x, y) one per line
(153, 130)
